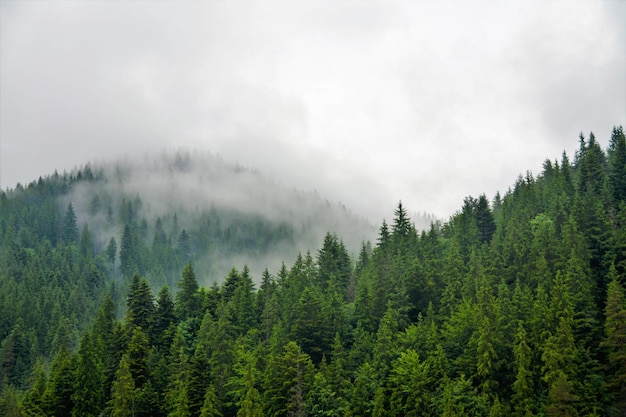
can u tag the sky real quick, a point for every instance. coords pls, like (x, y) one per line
(367, 103)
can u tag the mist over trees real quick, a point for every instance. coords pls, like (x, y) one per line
(168, 209)
(515, 306)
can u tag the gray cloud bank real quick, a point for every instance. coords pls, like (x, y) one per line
(367, 103)
(200, 188)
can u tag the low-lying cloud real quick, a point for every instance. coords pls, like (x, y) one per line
(366, 103)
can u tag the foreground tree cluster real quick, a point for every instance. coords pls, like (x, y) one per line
(514, 307)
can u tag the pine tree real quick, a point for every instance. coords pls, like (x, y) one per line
(333, 264)
(230, 284)
(310, 328)
(138, 352)
(401, 228)
(200, 364)
(322, 399)
(221, 337)
(70, 227)
(559, 369)
(243, 306)
(57, 397)
(122, 403)
(614, 342)
(210, 407)
(484, 219)
(140, 304)
(410, 386)
(164, 319)
(188, 301)
(617, 164)
(32, 402)
(243, 384)
(112, 251)
(128, 254)
(176, 395)
(523, 397)
(288, 380)
(88, 394)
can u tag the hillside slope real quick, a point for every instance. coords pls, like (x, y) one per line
(513, 307)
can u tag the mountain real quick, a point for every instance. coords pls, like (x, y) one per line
(183, 206)
(515, 306)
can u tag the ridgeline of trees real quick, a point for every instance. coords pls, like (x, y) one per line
(514, 307)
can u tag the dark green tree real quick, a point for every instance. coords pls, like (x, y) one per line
(140, 302)
(287, 383)
(485, 222)
(70, 227)
(614, 341)
(333, 264)
(57, 397)
(128, 254)
(310, 328)
(88, 395)
(523, 398)
(617, 164)
(188, 302)
(112, 251)
(243, 303)
(122, 402)
(164, 319)
(410, 386)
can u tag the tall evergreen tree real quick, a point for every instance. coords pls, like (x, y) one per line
(188, 302)
(128, 254)
(70, 227)
(164, 319)
(617, 164)
(112, 251)
(122, 403)
(140, 304)
(523, 398)
(615, 340)
(57, 397)
(88, 394)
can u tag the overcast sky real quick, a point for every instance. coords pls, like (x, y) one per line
(366, 102)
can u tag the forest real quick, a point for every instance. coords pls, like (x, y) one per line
(514, 306)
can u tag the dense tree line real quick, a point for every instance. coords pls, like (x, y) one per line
(514, 306)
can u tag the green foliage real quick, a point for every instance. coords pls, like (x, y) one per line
(514, 307)
(614, 342)
(140, 302)
(123, 395)
(188, 300)
(70, 228)
(409, 385)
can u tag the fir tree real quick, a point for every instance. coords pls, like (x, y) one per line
(122, 403)
(70, 227)
(614, 342)
(188, 301)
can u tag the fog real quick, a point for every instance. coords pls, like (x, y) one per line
(195, 186)
(363, 103)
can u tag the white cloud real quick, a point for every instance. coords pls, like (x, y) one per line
(367, 103)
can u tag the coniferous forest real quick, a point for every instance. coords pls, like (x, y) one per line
(514, 306)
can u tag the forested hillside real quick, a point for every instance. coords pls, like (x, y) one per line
(514, 306)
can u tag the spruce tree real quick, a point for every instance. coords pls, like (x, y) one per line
(188, 301)
(70, 227)
(617, 164)
(140, 304)
(614, 342)
(88, 394)
(111, 251)
(523, 397)
(122, 403)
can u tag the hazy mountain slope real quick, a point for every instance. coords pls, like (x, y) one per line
(232, 215)
(511, 307)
